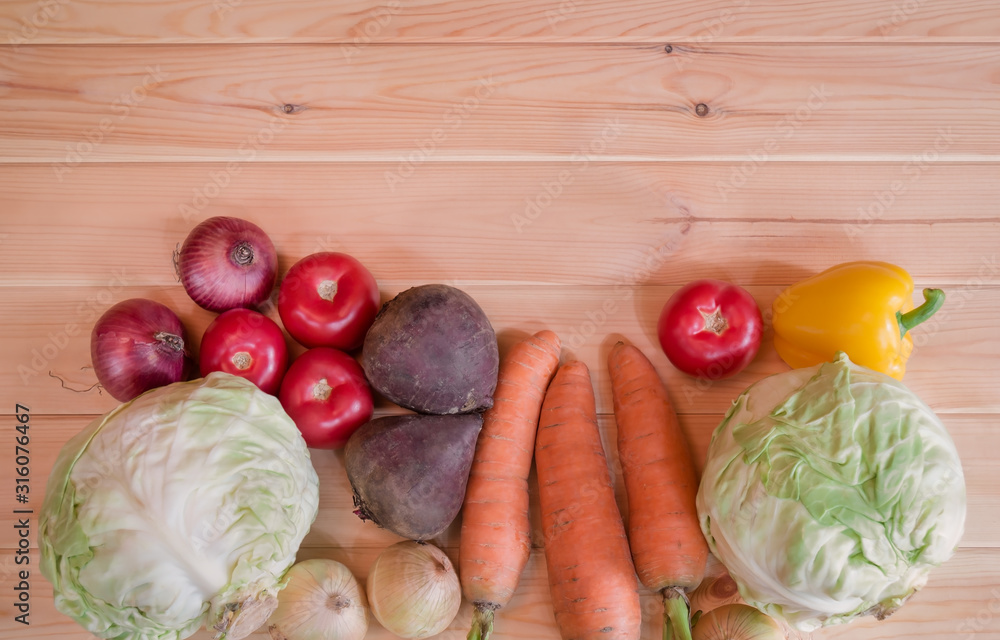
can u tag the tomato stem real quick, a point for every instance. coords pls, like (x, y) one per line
(714, 321)
(327, 289)
(322, 389)
(242, 360)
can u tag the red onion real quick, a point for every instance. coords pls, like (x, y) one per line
(138, 345)
(226, 263)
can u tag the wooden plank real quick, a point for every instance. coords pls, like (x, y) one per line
(621, 250)
(500, 222)
(416, 104)
(962, 597)
(331, 194)
(975, 436)
(359, 22)
(47, 333)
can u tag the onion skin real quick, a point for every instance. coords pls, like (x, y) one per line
(736, 622)
(227, 263)
(323, 601)
(413, 590)
(138, 345)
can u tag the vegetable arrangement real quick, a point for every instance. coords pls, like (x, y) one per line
(327, 302)
(829, 493)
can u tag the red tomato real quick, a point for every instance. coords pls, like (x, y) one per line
(328, 300)
(325, 392)
(246, 344)
(710, 329)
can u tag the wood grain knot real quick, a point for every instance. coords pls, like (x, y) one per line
(668, 48)
(292, 108)
(701, 109)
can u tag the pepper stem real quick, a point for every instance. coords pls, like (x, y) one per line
(482, 623)
(676, 621)
(933, 299)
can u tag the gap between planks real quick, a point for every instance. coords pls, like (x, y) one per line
(700, 44)
(393, 159)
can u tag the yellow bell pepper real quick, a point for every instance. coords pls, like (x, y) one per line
(862, 308)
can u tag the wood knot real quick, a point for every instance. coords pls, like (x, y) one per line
(701, 109)
(668, 49)
(292, 108)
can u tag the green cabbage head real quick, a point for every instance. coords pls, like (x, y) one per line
(181, 508)
(830, 492)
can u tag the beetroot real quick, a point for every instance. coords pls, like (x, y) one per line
(409, 472)
(433, 350)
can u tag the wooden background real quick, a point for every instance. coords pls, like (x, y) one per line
(570, 164)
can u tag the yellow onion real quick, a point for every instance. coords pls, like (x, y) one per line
(413, 590)
(323, 601)
(736, 622)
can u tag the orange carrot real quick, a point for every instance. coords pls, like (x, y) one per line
(667, 544)
(496, 531)
(594, 589)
